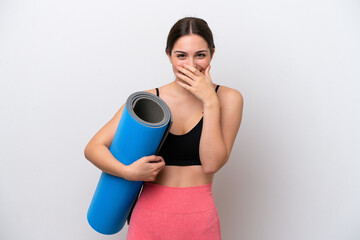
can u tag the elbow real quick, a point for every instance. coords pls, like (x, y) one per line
(212, 170)
(90, 149)
(209, 171)
(216, 167)
(86, 151)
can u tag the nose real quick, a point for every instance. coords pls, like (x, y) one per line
(191, 62)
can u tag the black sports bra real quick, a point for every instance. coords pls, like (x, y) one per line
(182, 150)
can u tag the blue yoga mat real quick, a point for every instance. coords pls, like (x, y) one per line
(144, 125)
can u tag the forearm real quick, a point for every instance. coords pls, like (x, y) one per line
(101, 157)
(212, 146)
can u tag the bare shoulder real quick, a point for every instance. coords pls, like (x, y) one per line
(153, 91)
(230, 96)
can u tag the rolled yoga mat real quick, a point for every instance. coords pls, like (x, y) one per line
(144, 124)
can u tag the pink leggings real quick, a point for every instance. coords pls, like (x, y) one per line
(172, 213)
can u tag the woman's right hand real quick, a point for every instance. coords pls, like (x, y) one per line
(145, 168)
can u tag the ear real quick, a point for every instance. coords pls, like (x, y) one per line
(168, 54)
(212, 54)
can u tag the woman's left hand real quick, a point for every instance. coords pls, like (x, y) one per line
(199, 84)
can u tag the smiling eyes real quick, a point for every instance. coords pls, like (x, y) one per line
(201, 55)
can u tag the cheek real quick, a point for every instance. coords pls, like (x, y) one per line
(203, 64)
(175, 64)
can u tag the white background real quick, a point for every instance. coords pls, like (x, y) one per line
(66, 67)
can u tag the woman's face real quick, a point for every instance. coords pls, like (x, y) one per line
(191, 50)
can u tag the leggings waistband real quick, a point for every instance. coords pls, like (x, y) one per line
(176, 199)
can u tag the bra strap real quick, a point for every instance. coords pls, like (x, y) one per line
(217, 88)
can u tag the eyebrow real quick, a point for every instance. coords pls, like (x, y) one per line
(196, 52)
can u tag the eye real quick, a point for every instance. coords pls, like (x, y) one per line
(201, 55)
(180, 55)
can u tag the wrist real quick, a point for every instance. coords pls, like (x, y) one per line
(123, 171)
(212, 102)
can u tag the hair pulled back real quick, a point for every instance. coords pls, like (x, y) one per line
(187, 26)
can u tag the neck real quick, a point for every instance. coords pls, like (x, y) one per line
(180, 91)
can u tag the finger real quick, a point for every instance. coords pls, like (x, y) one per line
(162, 165)
(161, 162)
(207, 72)
(159, 166)
(186, 72)
(153, 158)
(195, 71)
(185, 78)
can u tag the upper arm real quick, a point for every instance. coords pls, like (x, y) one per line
(106, 134)
(230, 118)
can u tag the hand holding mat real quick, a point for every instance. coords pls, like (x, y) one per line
(141, 170)
(144, 124)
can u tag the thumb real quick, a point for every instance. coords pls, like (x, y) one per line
(153, 158)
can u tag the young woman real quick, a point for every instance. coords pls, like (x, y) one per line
(176, 201)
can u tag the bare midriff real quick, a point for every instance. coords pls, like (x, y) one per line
(183, 176)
